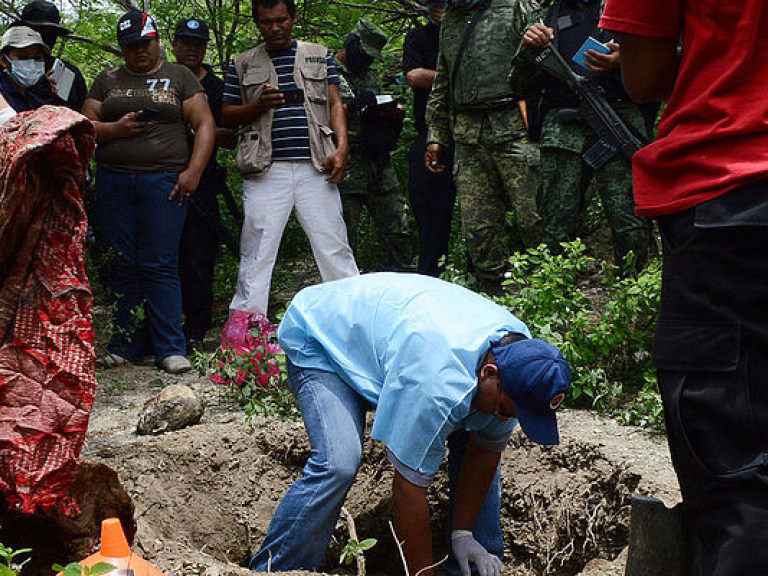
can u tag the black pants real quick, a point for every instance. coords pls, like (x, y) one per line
(432, 198)
(711, 353)
(197, 258)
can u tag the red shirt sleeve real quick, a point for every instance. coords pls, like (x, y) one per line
(654, 18)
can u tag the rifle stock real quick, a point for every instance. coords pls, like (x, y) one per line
(614, 136)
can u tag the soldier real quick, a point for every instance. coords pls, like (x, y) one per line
(564, 176)
(474, 101)
(373, 134)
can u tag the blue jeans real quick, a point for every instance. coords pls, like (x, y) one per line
(334, 416)
(143, 228)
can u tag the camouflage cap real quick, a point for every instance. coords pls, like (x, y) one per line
(372, 38)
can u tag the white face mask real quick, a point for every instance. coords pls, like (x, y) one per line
(27, 72)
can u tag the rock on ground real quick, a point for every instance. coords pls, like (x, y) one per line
(175, 407)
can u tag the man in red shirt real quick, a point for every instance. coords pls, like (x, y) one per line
(706, 180)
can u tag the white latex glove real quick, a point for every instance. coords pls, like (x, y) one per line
(468, 550)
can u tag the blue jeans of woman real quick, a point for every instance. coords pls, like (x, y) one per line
(143, 230)
(334, 416)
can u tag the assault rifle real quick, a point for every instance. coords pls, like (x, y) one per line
(614, 136)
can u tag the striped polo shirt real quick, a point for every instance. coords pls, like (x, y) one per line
(290, 130)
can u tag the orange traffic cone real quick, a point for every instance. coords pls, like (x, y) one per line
(115, 551)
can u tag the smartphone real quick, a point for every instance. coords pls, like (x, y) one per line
(148, 114)
(64, 77)
(293, 95)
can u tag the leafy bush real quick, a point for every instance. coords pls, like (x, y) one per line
(605, 331)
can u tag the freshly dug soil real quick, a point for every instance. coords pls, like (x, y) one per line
(204, 495)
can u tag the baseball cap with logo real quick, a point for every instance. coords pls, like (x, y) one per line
(134, 27)
(536, 376)
(22, 37)
(192, 28)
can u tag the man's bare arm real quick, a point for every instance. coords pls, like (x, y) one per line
(475, 477)
(420, 78)
(648, 66)
(412, 523)
(337, 161)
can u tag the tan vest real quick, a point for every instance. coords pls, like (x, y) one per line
(254, 69)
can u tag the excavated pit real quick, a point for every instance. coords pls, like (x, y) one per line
(208, 493)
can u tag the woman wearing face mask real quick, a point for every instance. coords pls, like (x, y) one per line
(22, 56)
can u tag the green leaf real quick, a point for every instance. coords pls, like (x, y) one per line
(73, 569)
(367, 544)
(102, 568)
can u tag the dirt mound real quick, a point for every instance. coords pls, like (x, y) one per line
(204, 495)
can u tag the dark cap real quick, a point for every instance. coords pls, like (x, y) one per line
(372, 38)
(536, 376)
(135, 27)
(192, 28)
(42, 13)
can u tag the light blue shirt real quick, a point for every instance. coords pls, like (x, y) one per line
(409, 344)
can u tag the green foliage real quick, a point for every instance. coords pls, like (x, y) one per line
(75, 569)
(605, 334)
(354, 549)
(9, 565)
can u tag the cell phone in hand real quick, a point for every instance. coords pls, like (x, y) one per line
(148, 114)
(293, 95)
(64, 77)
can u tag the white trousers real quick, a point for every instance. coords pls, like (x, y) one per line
(268, 200)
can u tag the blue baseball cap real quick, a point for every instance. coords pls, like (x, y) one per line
(536, 376)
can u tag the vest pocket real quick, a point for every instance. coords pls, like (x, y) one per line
(327, 141)
(251, 153)
(316, 83)
(253, 81)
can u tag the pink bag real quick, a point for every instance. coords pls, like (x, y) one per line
(245, 340)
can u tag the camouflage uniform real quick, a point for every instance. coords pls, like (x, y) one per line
(372, 184)
(564, 176)
(496, 163)
(564, 179)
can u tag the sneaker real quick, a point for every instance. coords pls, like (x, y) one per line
(110, 360)
(175, 364)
